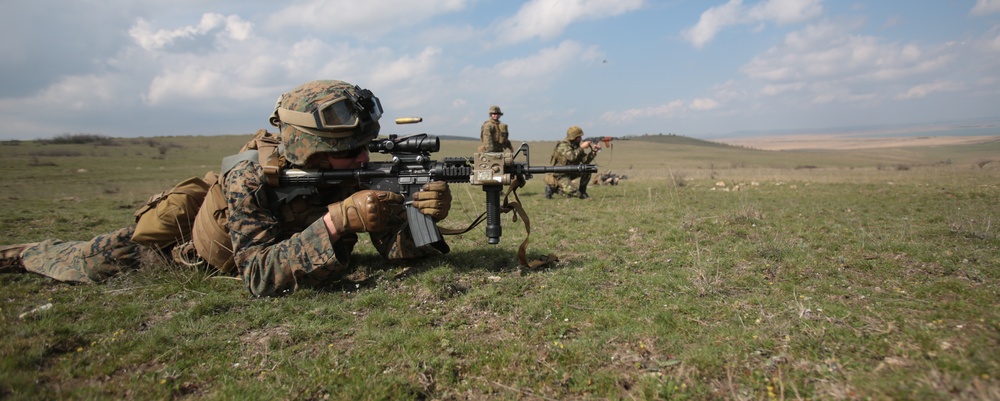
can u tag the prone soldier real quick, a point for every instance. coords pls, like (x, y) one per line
(274, 245)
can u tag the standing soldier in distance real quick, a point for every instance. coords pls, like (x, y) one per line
(569, 152)
(494, 133)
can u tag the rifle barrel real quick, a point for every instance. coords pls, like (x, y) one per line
(578, 168)
(305, 177)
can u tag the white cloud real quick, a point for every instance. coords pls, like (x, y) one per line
(777, 89)
(734, 12)
(531, 70)
(828, 62)
(703, 104)
(407, 81)
(406, 68)
(360, 18)
(923, 90)
(251, 66)
(233, 27)
(985, 7)
(663, 111)
(830, 51)
(80, 93)
(993, 44)
(546, 19)
(220, 71)
(97, 99)
(547, 62)
(523, 80)
(191, 83)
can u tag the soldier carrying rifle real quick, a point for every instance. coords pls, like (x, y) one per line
(286, 210)
(568, 152)
(275, 246)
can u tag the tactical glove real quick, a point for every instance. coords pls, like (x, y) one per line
(434, 199)
(365, 211)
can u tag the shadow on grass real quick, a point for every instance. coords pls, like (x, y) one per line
(368, 269)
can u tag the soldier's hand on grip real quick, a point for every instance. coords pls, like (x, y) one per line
(434, 199)
(365, 211)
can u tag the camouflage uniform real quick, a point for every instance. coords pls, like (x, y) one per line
(569, 153)
(608, 178)
(278, 245)
(494, 135)
(84, 261)
(276, 252)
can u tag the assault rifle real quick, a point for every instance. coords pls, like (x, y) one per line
(411, 167)
(597, 140)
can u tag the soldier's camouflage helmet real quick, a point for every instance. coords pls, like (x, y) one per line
(325, 116)
(574, 132)
(495, 110)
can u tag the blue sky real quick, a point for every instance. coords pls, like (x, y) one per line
(614, 67)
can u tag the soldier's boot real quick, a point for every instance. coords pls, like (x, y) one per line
(583, 190)
(548, 191)
(10, 257)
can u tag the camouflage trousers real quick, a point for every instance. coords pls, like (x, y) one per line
(84, 261)
(569, 185)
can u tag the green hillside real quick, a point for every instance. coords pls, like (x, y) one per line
(712, 272)
(671, 139)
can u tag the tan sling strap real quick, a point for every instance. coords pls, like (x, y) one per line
(519, 211)
(508, 206)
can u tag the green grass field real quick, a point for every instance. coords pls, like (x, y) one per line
(711, 272)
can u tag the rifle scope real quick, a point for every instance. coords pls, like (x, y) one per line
(412, 144)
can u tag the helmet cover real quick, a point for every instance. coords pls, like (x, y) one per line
(300, 142)
(574, 132)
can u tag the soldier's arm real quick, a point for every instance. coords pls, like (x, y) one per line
(269, 265)
(570, 154)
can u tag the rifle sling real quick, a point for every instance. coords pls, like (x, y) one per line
(457, 231)
(508, 206)
(519, 211)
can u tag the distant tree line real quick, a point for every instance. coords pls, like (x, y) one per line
(80, 139)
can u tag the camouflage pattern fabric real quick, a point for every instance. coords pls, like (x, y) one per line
(85, 261)
(494, 137)
(278, 251)
(569, 153)
(301, 142)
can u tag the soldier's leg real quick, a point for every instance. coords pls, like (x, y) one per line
(84, 261)
(568, 186)
(551, 185)
(584, 180)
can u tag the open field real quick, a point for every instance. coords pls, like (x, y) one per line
(796, 142)
(711, 272)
